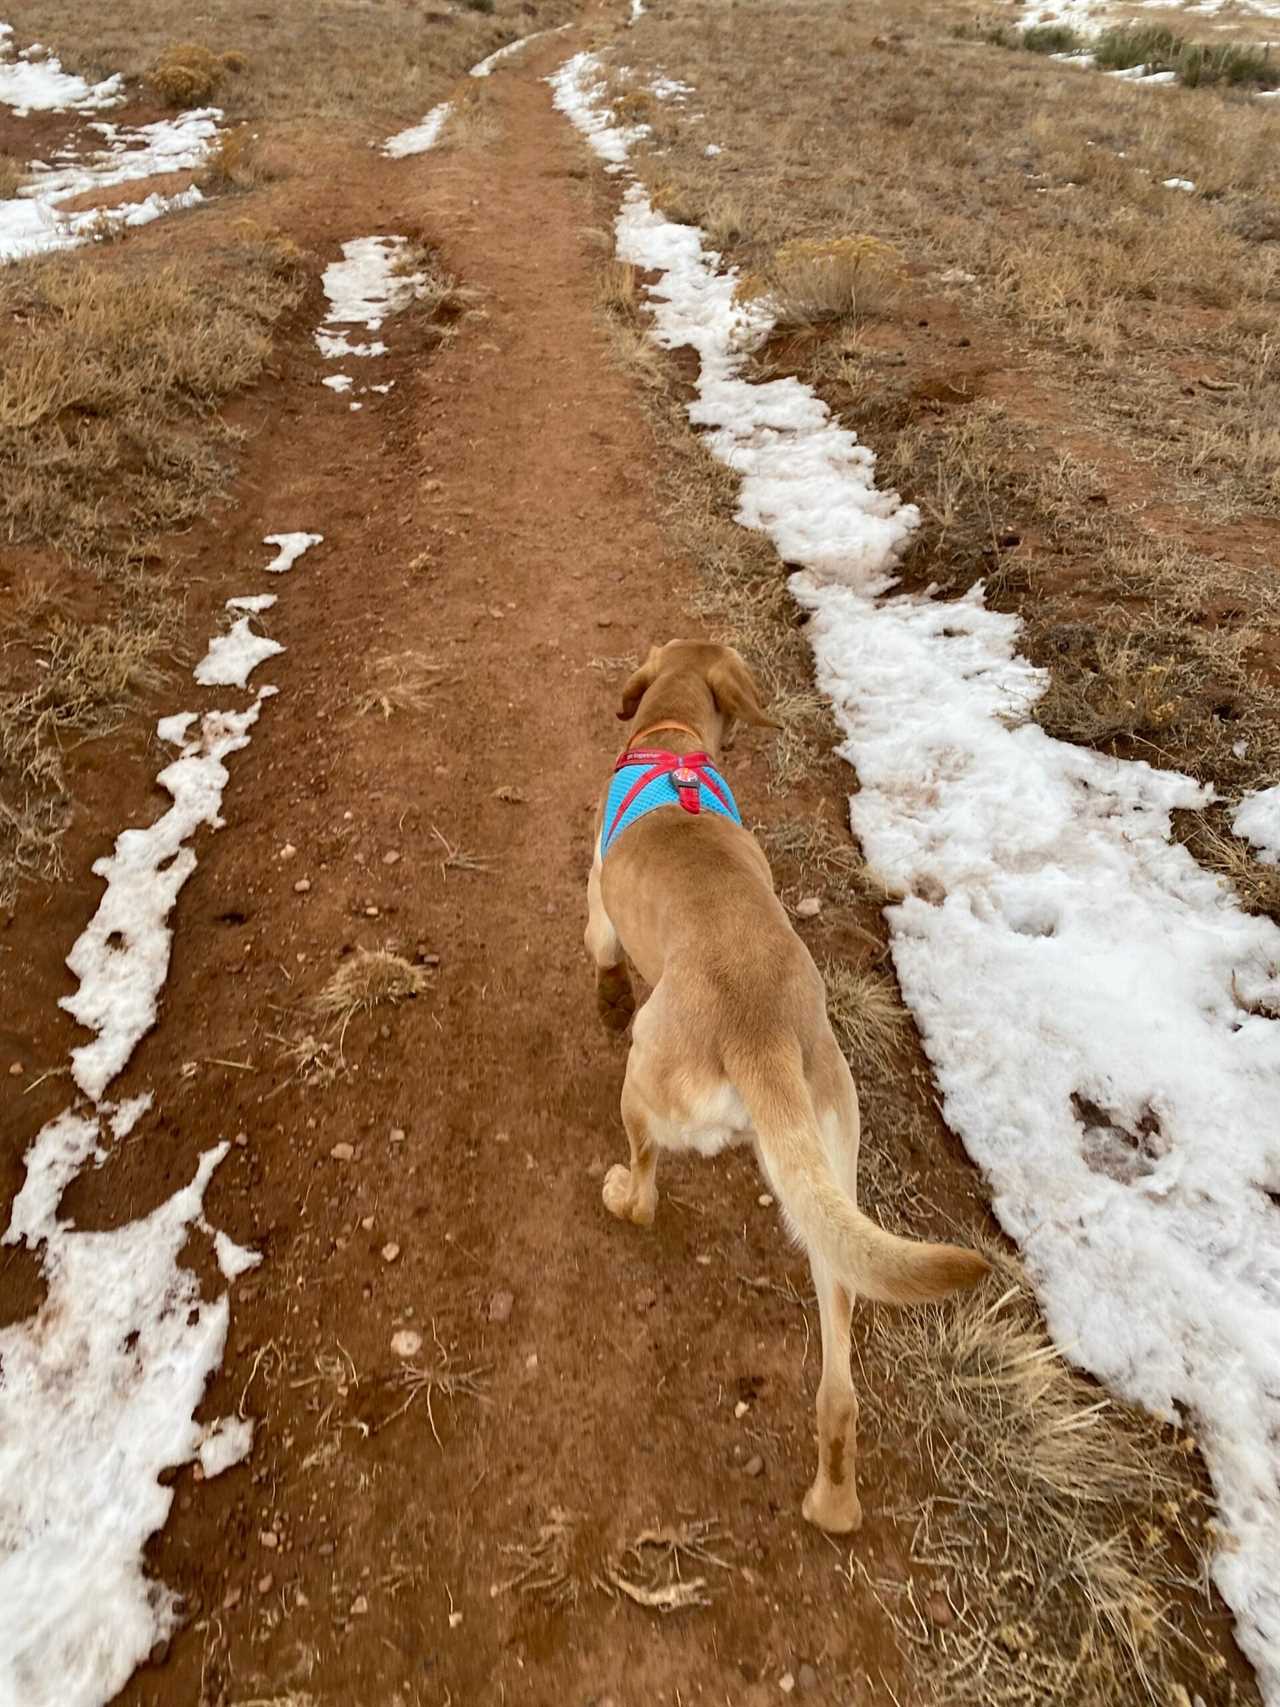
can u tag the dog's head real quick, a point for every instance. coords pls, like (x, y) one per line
(692, 671)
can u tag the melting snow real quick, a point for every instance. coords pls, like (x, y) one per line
(1257, 819)
(420, 137)
(31, 224)
(1097, 1008)
(290, 548)
(486, 66)
(332, 344)
(39, 85)
(369, 282)
(233, 656)
(122, 957)
(97, 1398)
(338, 382)
(226, 1442)
(253, 602)
(1178, 184)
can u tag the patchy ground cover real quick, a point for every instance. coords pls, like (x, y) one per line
(460, 1439)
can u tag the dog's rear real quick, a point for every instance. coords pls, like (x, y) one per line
(735, 1042)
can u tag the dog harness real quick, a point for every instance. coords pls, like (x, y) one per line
(687, 780)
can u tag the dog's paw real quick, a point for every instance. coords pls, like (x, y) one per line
(620, 1197)
(833, 1509)
(615, 1002)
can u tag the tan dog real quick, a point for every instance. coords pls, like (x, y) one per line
(734, 1044)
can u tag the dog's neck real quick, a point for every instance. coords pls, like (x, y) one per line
(690, 704)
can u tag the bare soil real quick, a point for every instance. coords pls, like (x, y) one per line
(496, 513)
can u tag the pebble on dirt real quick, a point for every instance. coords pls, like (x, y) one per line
(754, 1465)
(342, 1152)
(406, 1343)
(809, 908)
(390, 1252)
(302, 886)
(500, 1306)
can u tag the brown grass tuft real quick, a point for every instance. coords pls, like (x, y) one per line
(188, 74)
(402, 681)
(813, 281)
(867, 1016)
(12, 173)
(370, 978)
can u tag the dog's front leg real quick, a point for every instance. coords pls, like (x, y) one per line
(832, 1501)
(615, 1001)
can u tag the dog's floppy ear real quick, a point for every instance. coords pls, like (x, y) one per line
(735, 690)
(638, 685)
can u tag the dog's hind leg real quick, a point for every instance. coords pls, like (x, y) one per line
(832, 1501)
(615, 1002)
(632, 1193)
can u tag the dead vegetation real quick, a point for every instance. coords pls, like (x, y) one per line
(403, 681)
(663, 1569)
(189, 74)
(12, 173)
(815, 281)
(369, 978)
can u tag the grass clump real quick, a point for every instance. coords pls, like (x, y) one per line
(369, 979)
(188, 74)
(1051, 38)
(12, 173)
(1158, 48)
(816, 281)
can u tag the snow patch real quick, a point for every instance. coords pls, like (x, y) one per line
(290, 547)
(486, 66)
(367, 284)
(576, 90)
(233, 1259)
(1177, 184)
(1257, 819)
(30, 85)
(173, 730)
(121, 959)
(234, 655)
(252, 602)
(97, 1399)
(1096, 1007)
(334, 344)
(226, 1443)
(420, 137)
(338, 382)
(31, 224)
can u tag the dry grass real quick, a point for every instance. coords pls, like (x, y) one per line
(1083, 1528)
(402, 681)
(370, 978)
(1256, 886)
(12, 173)
(350, 65)
(188, 74)
(99, 444)
(238, 163)
(812, 281)
(867, 1016)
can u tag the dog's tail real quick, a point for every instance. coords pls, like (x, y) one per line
(870, 1261)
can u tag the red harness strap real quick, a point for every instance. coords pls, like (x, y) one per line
(688, 773)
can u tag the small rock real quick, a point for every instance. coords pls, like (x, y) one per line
(806, 1678)
(16, 1070)
(531, 1362)
(342, 1152)
(455, 1618)
(266, 1584)
(269, 1539)
(391, 857)
(786, 1683)
(302, 886)
(740, 1409)
(325, 1549)
(702, 1260)
(939, 1609)
(754, 1465)
(366, 1221)
(765, 1200)
(500, 1306)
(371, 912)
(301, 1599)
(390, 1252)
(397, 1135)
(359, 1606)
(406, 1343)
(242, 1140)
(809, 908)
(230, 1599)
(287, 851)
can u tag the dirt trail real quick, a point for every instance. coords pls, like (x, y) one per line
(497, 514)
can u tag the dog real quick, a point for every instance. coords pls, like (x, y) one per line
(734, 1044)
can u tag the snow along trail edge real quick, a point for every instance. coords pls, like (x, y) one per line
(99, 1389)
(1096, 1007)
